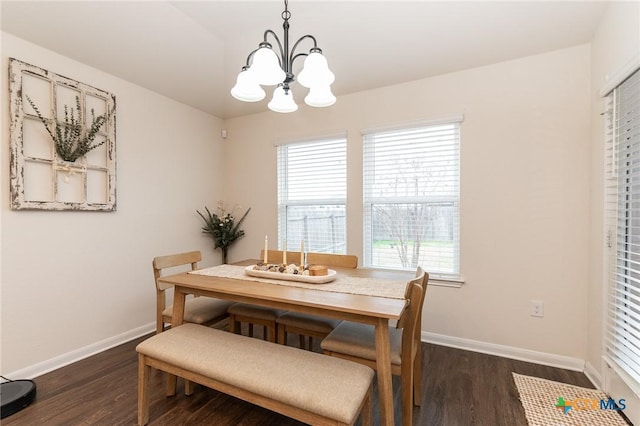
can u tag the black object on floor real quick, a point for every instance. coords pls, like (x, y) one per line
(16, 395)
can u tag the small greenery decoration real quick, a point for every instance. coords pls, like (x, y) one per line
(222, 227)
(71, 139)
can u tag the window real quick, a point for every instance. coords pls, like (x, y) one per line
(622, 333)
(412, 197)
(312, 193)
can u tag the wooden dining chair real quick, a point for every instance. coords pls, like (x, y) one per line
(356, 342)
(331, 259)
(313, 326)
(199, 310)
(277, 256)
(257, 315)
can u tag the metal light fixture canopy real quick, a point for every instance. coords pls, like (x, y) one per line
(265, 67)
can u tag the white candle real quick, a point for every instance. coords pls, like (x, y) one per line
(301, 254)
(284, 251)
(266, 249)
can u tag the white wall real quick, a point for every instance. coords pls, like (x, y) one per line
(615, 44)
(72, 280)
(524, 190)
(525, 204)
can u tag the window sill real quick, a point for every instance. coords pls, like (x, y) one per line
(433, 281)
(442, 282)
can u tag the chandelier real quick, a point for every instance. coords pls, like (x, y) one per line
(265, 67)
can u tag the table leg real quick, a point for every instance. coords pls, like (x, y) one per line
(383, 365)
(177, 318)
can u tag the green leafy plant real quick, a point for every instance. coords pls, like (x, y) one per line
(222, 227)
(72, 140)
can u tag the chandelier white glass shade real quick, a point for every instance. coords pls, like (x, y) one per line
(320, 97)
(282, 101)
(247, 88)
(264, 67)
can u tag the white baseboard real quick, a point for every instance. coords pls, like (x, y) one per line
(593, 375)
(543, 358)
(560, 361)
(81, 353)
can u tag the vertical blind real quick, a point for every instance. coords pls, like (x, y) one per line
(622, 335)
(312, 193)
(411, 198)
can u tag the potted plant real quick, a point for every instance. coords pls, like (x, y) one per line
(71, 139)
(222, 227)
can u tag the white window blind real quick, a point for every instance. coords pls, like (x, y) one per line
(312, 193)
(622, 335)
(411, 198)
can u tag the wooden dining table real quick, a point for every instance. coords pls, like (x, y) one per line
(367, 309)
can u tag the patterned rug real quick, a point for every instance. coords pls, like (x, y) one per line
(548, 403)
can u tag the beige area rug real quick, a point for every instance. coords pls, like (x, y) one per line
(548, 403)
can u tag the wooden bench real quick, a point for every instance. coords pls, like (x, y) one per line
(307, 386)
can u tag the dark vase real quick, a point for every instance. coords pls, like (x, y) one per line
(225, 255)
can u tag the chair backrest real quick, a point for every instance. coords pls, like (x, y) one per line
(404, 317)
(171, 261)
(164, 262)
(418, 326)
(276, 256)
(409, 320)
(327, 259)
(330, 259)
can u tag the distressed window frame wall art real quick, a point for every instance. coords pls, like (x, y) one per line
(40, 178)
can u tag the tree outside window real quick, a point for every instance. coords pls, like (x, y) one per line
(412, 198)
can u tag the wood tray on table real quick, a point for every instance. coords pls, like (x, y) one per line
(311, 279)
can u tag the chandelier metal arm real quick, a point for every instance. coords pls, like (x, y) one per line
(315, 48)
(296, 57)
(275, 36)
(301, 39)
(249, 56)
(286, 58)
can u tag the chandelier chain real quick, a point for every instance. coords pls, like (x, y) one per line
(286, 15)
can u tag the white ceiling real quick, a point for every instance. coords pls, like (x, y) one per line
(191, 51)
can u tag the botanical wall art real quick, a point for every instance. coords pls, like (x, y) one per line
(63, 142)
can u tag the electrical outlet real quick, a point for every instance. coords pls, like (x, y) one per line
(537, 308)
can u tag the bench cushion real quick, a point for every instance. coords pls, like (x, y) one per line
(359, 340)
(330, 387)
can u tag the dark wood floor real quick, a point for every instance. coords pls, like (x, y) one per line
(459, 388)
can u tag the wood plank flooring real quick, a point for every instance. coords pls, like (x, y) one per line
(459, 388)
